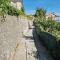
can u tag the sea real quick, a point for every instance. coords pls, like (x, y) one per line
(58, 19)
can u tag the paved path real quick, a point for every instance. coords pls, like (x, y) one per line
(30, 48)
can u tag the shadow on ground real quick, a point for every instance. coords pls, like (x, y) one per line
(47, 42)
(46, 45)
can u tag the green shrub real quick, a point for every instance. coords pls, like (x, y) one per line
(50, 30)
(13, 11)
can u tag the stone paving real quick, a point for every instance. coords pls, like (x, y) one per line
(17, 42)
(31, 48)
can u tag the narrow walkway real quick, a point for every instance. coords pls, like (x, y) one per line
(31, 48)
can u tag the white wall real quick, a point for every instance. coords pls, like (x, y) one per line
(17, 3)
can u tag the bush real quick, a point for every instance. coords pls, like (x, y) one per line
(50, 30)
(13, 11)
(6, 8)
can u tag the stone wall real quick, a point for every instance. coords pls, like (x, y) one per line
(10, 33)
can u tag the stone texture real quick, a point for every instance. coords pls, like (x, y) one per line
(10, 33)
(18, 42)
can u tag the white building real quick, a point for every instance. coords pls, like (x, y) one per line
(17, 3)
(50, 16)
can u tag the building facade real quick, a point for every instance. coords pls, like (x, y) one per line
(17, 4)
(50, 16)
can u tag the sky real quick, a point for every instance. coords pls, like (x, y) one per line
(50, 5)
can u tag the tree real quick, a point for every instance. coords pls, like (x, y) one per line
(3, 7)
(41, 13)
(22, 9)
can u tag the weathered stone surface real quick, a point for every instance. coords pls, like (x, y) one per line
(10, 33)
